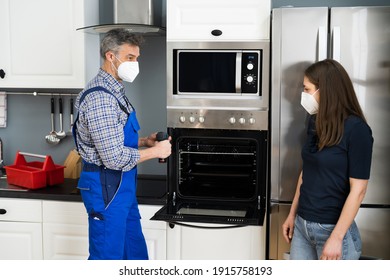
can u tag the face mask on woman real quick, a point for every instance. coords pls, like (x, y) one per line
(127, 70)
(309, 102)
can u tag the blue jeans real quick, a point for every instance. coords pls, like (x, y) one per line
(309, 239)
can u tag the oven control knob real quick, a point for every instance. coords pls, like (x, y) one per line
(249, 66)
(241, 120)
(249, 79)
(201, 119)
(182, 119)
(192, 119)
(252, 120)
(232, 120)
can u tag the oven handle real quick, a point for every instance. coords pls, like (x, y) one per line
(172, 225)
(238, 71)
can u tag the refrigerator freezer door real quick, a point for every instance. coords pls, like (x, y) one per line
(361, 41)
(278, 247)
(298, 40)
(374, 229)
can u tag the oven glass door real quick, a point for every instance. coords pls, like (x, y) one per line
(211, 212)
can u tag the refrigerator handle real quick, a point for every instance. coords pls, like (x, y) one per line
(336, 43)
(321, 43)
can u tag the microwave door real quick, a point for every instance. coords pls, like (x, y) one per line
(208, 72)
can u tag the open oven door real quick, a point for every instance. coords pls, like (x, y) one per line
(183, 211)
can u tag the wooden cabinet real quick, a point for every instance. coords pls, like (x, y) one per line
(218, 20)
(40, 47)
(20, 229)
(235, 243)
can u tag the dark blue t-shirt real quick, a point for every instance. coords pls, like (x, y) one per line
(326, 173)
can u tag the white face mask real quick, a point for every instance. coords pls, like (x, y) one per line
(309, 102)
(128, 70)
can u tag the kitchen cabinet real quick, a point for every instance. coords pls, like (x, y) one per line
(40, 47)
(235, 243)
(218, 20)
(65, 231)
(20, 229)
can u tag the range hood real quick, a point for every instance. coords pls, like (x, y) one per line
(138, 16)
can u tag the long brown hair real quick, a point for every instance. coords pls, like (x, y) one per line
(337, 100)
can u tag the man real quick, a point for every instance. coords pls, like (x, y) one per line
(106, 136)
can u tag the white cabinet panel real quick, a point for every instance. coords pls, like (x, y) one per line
(237, 20)
(21, 210)
(238, 243)
(65, 231)
(65, 241)
(20, 229)
(154, 232)
(40, 47)
(20, 241)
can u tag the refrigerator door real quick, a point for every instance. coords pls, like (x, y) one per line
(299, 38)
(361, 43)
(374, 229)
(278, 246)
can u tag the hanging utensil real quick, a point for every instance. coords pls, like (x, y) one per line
(71, 118)
(51, 137)
(61, 134)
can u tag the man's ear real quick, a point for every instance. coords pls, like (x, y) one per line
(110, 56)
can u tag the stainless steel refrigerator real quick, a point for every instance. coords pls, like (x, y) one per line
(359, 38)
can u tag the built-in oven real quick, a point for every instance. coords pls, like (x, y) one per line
(216, 176)
(217, 117)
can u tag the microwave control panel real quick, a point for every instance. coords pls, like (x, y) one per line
(250, 82)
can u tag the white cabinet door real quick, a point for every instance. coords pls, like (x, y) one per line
(154, 233)
(20, 229)
(65, 231)
(239, 243)
(40, 47)
(20, 241)
(236, 20)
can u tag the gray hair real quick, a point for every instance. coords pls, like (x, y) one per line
(116, 38)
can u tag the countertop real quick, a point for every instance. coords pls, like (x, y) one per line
(151, 189)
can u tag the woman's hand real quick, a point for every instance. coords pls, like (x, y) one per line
(332, 249)
(288, 228)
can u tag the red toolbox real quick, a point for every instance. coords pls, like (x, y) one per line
(34, 174)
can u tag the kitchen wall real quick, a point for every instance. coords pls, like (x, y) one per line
(28, 119)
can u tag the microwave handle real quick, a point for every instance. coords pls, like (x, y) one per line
(238, 71)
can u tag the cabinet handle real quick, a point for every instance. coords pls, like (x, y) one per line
(3, 211)
(216, 32)
(2, 73)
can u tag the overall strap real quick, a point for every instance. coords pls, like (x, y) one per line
(85, 93)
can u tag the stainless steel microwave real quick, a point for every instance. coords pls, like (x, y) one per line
(217, 72)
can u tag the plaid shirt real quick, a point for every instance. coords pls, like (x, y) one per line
(100, 135)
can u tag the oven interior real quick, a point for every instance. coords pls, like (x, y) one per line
(214, 168)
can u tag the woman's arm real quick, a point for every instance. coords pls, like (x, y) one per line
(333, 246)
(288, 225)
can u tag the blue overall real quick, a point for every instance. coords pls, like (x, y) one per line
(109, 196)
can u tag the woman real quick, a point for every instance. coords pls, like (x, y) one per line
(336, 168)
